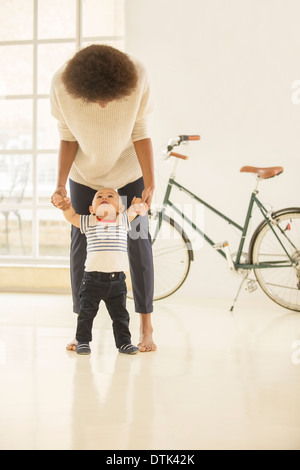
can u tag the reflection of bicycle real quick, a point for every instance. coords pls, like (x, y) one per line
(273, 253)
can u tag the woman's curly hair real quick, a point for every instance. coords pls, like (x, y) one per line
(100, 73)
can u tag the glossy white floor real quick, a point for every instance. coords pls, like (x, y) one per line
(217, 380)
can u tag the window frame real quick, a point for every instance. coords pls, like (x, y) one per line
(79, 40)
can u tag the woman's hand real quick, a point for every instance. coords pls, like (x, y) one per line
(138, 207)
(147, 196)
(59, 199)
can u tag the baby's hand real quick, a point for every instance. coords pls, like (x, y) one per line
(137, 207)
(60, 202)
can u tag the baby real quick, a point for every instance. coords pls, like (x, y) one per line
(104, 279)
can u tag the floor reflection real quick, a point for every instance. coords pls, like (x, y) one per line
(217, 381)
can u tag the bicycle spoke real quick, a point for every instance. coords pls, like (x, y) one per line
(281, 283)
(170, 257)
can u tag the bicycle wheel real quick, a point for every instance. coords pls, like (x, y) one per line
(172, 255)
(280, 283)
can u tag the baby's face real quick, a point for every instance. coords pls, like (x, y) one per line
(106, 197)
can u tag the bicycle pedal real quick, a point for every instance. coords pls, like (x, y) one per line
(219, 246)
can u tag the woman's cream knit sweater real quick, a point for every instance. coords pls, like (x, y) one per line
(106, 156)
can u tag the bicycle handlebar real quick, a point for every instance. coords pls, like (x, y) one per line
(177, 141)
(179, 155)
(189, 137)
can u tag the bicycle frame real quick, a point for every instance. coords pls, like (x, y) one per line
(253, 200)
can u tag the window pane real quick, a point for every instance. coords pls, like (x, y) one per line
(47, 133)
(56, 19)
(17, 76)
(54, 233)
(16, 124)
(15, 232)
(16, 20)
(15, 181)
(103, 18)
(46, 176)
(114, 43)
(50, 58)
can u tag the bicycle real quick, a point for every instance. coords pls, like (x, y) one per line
(273, 252)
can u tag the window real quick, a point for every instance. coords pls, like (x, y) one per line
(36, 38)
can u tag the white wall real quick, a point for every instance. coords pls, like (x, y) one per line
(223, 69)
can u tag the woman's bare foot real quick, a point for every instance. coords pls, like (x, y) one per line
(146, 343)
(72, 346)
(147, 346)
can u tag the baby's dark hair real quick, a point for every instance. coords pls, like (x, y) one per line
(100, 73)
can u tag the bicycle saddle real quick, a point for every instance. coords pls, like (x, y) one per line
(264, 173)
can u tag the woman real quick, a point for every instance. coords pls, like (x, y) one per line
(101, 100)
